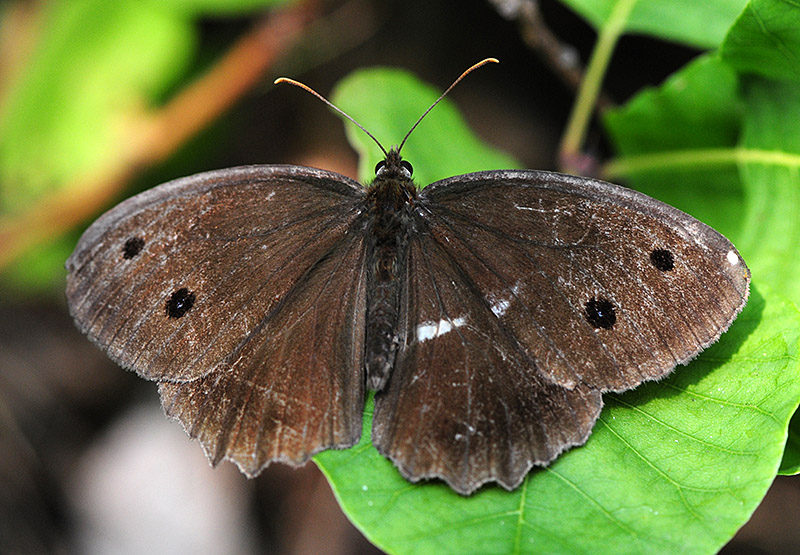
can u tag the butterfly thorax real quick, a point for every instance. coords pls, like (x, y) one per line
(390, 200)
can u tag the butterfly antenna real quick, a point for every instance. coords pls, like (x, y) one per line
(306, 88)
(456, 82)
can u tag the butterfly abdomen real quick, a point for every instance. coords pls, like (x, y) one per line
(389, 203)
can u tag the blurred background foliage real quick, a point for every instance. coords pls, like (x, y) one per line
(99, 100)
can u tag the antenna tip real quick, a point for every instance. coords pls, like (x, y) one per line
(492, 60)
(279, 80)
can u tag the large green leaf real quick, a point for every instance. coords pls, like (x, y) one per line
(771, 236)
(702, 24)
(678, 141)
(766, 40)
(677, 465)
(699, 107)
(698, 128)
(766, 155)
(700, 123)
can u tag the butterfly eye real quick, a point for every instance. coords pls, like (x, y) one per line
(379, 166)
(408, 167)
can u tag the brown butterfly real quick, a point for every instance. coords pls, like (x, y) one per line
(489, 310)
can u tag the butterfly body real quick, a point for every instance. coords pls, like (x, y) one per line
(390, 201)
(490, 310)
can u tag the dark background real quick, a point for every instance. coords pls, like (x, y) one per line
(84, 450)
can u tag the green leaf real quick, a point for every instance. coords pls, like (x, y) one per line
(698, 107)
(770, 238)
(95, 61)
(702, 24)
(790, 465)
(673, 466)
(677, 142)
(766, 155)
(97, 65)
(218, 7)
(766, 40)
(388, 102)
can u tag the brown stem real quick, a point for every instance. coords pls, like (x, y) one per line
(561, 58)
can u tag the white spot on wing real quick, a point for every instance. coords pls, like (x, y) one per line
(499, 308)
(430, 330)
(733, 260)
(500, 305)
(533, 209)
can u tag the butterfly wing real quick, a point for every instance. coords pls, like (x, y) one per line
(295, 387)
(464, 403)
(530, 293)
(242, 291)
(600, 284)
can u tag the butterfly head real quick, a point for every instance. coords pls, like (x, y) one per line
(392, 185)
(393, 166)
(392, 169)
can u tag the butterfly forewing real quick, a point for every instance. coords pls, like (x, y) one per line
(465, 403)
(171, 281)
(598, 284)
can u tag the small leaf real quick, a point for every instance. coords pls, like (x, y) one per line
(388, 102)
(701, 24)
(97, 67)
(790, 464)
(95, 61)
(219, 7)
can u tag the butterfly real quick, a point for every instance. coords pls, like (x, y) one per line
(488, 311)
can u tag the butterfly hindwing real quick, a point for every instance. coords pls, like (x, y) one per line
(296, 386)
(464, 403)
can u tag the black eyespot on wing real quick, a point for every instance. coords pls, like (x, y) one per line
(662, 259)
(133, 246)
(180, 302)
(600, 313)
